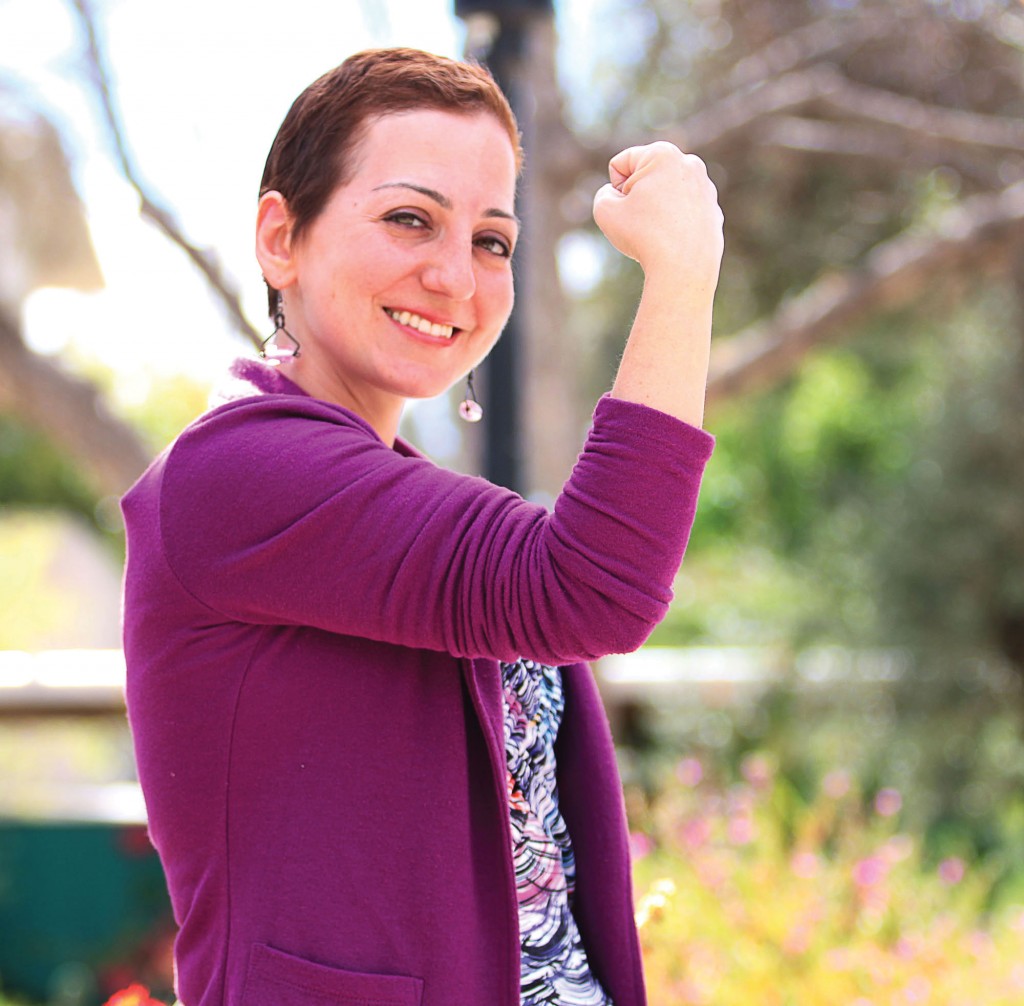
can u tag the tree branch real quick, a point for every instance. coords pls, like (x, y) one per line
(741, 110)
(875, 144)
(748, 110)
(949, 125)
(71, 411)
(222, 285)
(894, 274)
(827, 87)
(816, 136)
(737, 113)
(777, 83)
(807, 45)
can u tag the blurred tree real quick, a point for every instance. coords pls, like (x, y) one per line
(870, 155)
(45, 242)
(950, 554)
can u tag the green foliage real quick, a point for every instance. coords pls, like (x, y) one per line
(788, 506)
(875, 498)
(950, 558)
(34, 473)
(159, 406)
(170, 404)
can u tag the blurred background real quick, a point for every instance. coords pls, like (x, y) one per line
(822, 744)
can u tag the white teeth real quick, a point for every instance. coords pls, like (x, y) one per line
(421, 324)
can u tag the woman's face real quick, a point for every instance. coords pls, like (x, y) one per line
(403, 283)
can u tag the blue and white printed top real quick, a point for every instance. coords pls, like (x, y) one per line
(555, 970)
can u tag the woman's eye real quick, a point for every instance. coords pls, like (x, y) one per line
(495, 245)
(406, 218)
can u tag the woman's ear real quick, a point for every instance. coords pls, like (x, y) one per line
(274, 240)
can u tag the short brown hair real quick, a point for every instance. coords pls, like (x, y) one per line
(312, 152)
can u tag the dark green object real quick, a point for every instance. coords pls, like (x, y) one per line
(83, 911)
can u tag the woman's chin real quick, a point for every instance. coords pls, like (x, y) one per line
(421, 390)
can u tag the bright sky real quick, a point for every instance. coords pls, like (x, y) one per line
(202, 86)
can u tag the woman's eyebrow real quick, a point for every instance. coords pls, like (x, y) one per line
(442, 200)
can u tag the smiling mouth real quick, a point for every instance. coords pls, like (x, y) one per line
(421, 324)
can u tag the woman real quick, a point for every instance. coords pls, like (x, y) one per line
(344, 682)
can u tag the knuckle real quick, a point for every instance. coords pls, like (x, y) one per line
(695, 165)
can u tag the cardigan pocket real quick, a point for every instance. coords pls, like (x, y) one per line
(275, 978)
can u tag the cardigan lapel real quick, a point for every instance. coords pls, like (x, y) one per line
(483, 682)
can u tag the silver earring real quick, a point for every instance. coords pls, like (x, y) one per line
(269, 349)
(469, 408)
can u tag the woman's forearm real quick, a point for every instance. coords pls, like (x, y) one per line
(665, 361)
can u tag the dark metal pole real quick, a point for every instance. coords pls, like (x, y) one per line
(502, 372)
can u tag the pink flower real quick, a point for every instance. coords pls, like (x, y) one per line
(797, 941)
(696, 832)
(805, 865)
(740, 800)
(952, 870)
(1017, 976)
(981, 943)
(836, 784)
(870, 871)
(742, 830)
(888, 802)
(758, 770)
(917, 990)
(897, 849)
(712, 872)
(690, 772)
(639, 844)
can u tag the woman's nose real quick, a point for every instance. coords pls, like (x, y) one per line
(451, 273)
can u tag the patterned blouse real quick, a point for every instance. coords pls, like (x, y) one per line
(554, 970)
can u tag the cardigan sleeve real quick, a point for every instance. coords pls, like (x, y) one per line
(284, 510)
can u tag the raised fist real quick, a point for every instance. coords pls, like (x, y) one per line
(661, 209)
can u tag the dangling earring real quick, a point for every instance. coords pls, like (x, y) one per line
(469, 408)
(269, 350)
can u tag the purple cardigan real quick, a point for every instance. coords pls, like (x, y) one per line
(313, 624)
